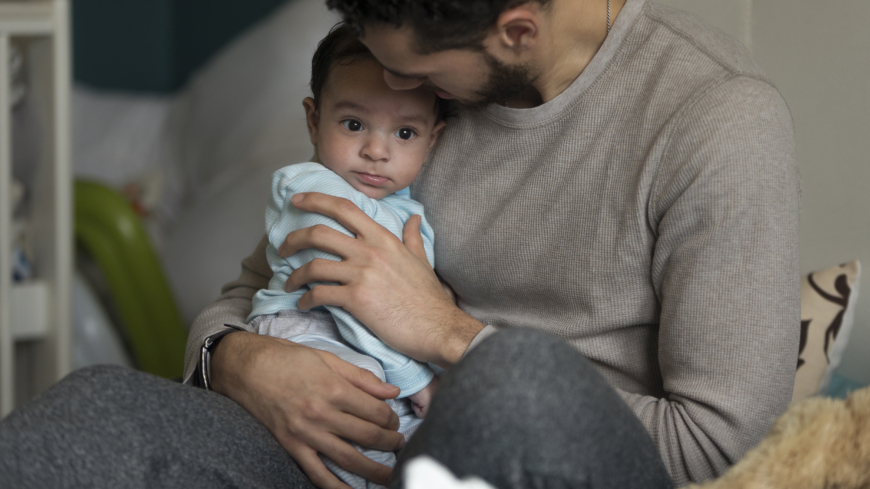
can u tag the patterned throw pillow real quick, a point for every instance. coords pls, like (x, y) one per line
(828, 300)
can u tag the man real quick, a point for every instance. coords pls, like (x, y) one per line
(643, 207)
(623, 178)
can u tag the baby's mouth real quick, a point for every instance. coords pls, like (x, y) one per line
(375, 180)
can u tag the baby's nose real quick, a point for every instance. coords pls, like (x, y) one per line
(376, 148)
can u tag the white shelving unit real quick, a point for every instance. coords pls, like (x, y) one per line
(35, 331)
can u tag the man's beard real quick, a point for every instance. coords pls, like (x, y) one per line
(504, 82)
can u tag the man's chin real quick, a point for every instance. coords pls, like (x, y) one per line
(464, 103)
(475, 105)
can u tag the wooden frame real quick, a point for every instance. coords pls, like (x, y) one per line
(41, 346)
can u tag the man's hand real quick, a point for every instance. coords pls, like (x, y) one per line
(309, 400)
(449, 291)
(387, 284)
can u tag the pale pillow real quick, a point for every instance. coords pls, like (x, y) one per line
(828, 299)
(243, 110)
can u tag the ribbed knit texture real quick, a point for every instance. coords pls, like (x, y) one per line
(648, 215)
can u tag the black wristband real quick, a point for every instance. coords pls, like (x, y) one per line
(203, 376)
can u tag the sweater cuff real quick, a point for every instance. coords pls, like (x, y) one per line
(482, 335)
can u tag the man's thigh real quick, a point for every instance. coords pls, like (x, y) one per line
(114, 427)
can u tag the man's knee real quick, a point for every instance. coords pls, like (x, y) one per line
(525, 356)
(104, 376)
(527, 399)
(524, 344)
(108, 384)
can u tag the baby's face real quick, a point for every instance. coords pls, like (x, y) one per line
(374, 137)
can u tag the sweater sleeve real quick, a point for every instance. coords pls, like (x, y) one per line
(232, 307)
(724, 208)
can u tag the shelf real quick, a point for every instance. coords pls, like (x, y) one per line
(27, 18)
(35, 328)
(29, 315)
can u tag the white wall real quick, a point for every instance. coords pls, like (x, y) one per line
(816, 52)
(730, 16)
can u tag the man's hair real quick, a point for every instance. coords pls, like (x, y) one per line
(342, 46)
(437, 24)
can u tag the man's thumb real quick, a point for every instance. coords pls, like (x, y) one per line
(413, 239)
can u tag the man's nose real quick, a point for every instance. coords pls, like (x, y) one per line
(401, 82)
(376, 148)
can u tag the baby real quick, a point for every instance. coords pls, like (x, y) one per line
(370, 142)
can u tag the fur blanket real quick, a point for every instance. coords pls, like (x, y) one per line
(819, 443)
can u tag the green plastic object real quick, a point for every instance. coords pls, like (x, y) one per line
(112, 233)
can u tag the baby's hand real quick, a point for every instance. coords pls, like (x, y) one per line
(421, 400)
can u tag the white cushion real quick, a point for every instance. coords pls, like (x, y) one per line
(828, 299)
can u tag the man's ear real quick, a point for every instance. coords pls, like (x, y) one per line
(517, 28)
(436, 131)
(312, 118)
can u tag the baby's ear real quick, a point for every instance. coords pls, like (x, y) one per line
(436, 131)
(312, 117)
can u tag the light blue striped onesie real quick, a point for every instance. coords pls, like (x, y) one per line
(275, 311)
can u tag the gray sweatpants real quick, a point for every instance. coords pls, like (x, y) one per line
(523, 410)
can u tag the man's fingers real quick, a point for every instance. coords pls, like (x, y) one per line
(340, 452)
(342, 210)
(363, 379)
(317, 270)
(366, 434)
(321, 295)
(363, 407)
(319, 236)
(313, 467)
(311, 413)
(413, 239)
(349, 458)
(332, 445)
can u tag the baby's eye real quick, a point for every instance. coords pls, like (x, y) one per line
(352, 125)
(405, 133)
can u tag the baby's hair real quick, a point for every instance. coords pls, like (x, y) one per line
(341, 45)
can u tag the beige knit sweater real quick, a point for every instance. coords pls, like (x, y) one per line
(648, 215)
